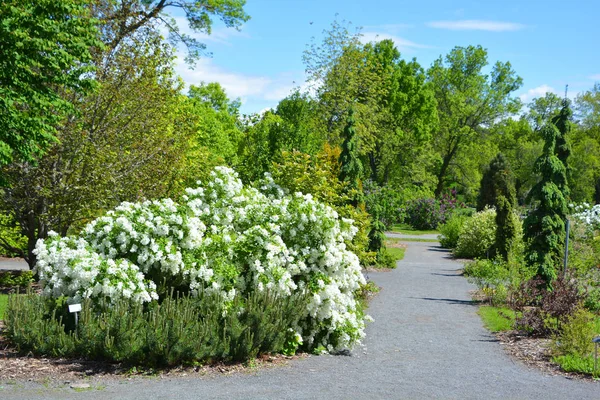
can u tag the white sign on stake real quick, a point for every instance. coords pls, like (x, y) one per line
(74, 308)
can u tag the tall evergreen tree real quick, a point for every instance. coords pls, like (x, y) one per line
(498, 190)
(562, 121)
(351, 167)
(545, 225)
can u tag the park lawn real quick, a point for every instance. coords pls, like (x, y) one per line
(398, 240)
(3, 303)
(396, 252)
(409, 230)
(497, 319)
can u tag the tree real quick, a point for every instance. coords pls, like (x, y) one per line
(351, 167)
(545, 224)
(498, 190)
(586, 146)
(542, 110)
(469, 102)
(45, 47)
(122, 18)
(562, 121)
(125, 145)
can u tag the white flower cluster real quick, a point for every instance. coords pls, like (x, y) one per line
(590, 215)
(224, 238)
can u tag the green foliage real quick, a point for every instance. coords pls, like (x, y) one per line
(12, 279)
(3, 304)
(351, 168)
(299, 172)
(491, 278)
(377, 234)
(122, 19)
(129, 141)
(545, 224)
(477, 235)
(450, 231)
(573, 363)
(12, 242)
(468, 100)
(180, 330)
(497, 319)
(45, 51)
(576, 334)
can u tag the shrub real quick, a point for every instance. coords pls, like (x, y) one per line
(12, 279)
(450, 231)
(575, 337)
(477, 236)
(179, 330)
(491, 278)
(543, 310)
(424, 214)
(222, 238)
(571, 363)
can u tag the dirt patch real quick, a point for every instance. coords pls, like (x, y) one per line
(535, 353)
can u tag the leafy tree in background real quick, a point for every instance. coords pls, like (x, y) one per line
(542, 110)
(521, 146)
(545, 224)
(469, 102)
(122, 18)
(124, 146)
(45, 47)
(586, 147)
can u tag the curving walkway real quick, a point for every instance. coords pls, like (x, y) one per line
(426, 342)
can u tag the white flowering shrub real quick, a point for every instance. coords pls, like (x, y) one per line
(589, 215)
(223, 238)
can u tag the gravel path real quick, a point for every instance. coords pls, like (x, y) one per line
(14, 264)
(426, 342)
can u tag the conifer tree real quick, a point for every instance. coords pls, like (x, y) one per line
(377, 233)
(545, 225)
(498, 189)
(562, 121)
(351, 167)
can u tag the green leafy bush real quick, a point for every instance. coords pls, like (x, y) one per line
(450, 231)
(575, 337)
(13, 243)
(180, 330)
(13, 279)
(491, 278)
(477, 236)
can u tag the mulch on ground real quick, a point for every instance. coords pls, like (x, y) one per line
(535, 353)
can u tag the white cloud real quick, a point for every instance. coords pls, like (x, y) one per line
(539, 91)
(253, 90)
(595, 77)
(476, 25)
(401, 44)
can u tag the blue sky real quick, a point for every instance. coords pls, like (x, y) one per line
(550, 43)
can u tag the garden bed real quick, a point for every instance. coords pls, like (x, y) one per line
(17, 367)
(535, 353)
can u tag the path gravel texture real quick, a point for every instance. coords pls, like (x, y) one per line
(427, 342)
(13, 264)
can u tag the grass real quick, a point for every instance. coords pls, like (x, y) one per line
(497, 319)
(409, 230)
(3, 303)
(398, 240)
(396, 252)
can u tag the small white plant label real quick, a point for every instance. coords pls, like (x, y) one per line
(74, 308)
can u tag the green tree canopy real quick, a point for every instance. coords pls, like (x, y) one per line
(45, 50)
(469, 102)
